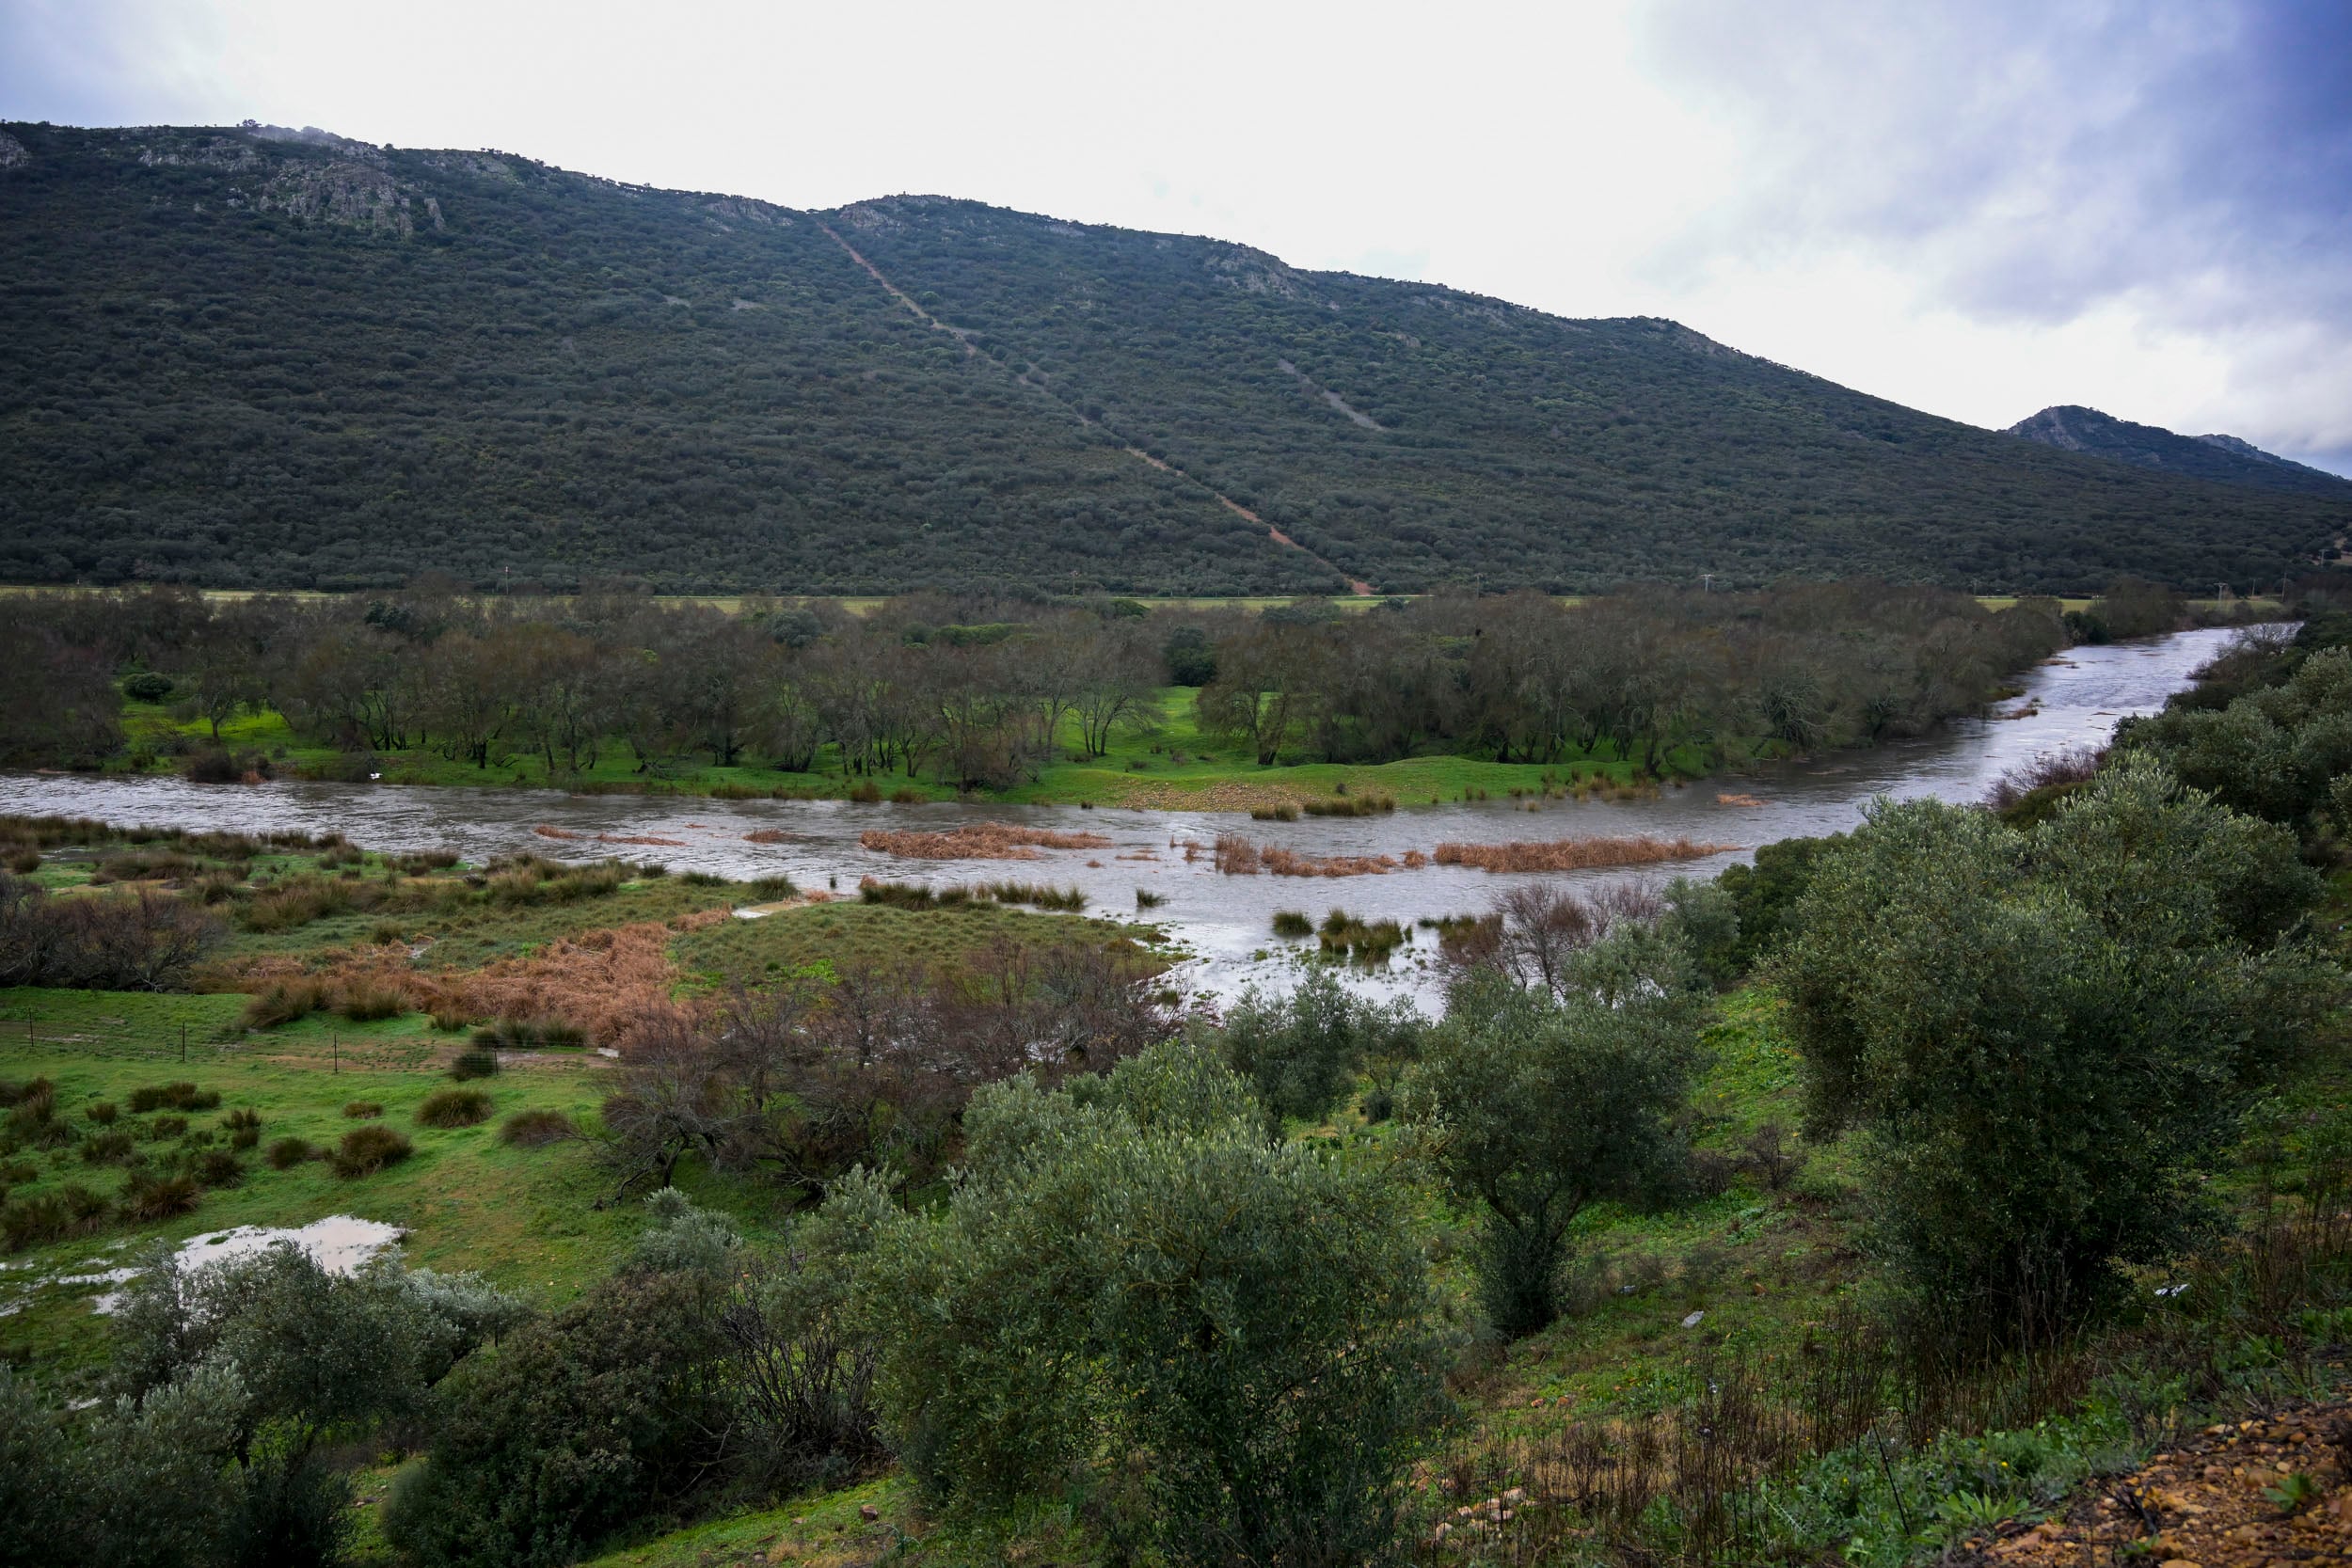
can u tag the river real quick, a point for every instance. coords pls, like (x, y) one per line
(1223, 922)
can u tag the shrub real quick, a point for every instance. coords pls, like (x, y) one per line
(2045, 1038)
(474, 1062)
(244, 1139)
(160, 1197)
(360, 1109)
(1552, 1101)
(536, 1128)
(366, 1004)
(365, 1150)
(453, 1108)
(284, 1003)
(102, 1112)
(450, 1019)
(1257, 1320)
(1301, 1052)
(242, 1118)
(286, 1154)
(147, 686)
(1291, 923)
(138, 941)
(167, 1127)
(625, 1373)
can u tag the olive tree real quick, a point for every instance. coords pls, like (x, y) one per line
(1538, 1102)
(1230, 1342)
(1301, 1053)
(2045, 1039)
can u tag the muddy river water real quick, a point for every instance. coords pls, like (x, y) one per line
(1222, 921)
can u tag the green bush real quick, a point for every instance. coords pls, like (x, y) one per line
(580, 1424)
(1542, 1105)
(362, 1110)
(1300, 1053)
(1228, 1342)
(2045, 1038)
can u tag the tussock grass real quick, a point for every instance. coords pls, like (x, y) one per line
(447, 1108)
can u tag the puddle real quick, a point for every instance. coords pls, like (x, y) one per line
(341, 1244)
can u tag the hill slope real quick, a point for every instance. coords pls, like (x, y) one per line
(2224, 459)
(251, 357)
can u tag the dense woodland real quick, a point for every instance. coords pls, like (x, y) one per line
(238, 360)
(981, 693)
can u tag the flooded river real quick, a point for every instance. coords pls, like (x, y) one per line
(1222, 921)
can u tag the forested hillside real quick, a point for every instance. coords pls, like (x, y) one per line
(252, 357)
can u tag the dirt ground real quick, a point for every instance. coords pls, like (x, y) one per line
(2227, 1499)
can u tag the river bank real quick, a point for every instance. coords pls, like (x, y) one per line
(1224, 922)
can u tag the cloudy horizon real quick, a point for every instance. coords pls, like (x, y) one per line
(1977, 210)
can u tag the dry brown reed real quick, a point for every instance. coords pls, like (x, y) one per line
(1576, 854)
(985, 840)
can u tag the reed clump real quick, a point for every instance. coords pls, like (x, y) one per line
(1576, 854)
(984, 841)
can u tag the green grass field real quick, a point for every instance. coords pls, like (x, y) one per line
(1166, 764)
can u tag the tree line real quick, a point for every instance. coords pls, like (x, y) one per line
(984, 693)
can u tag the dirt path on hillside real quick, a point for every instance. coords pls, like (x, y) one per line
(963, 336)
(2227, 1498)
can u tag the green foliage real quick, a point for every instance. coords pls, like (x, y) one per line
(575, 1425)
(1537, 1104)
(227, 1381)
(2281, 752)
(1765, 895)
(257, 377)
(1301, 1053)
(1229, 1342)
(2045, 1038)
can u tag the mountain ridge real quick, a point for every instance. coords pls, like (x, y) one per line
(2223, 459)
(257, 358)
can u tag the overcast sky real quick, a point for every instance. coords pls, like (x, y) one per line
(1973, 207)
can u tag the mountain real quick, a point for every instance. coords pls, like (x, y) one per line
(2223, 459)
(254, 357)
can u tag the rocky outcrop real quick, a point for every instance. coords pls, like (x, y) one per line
(12, 153)
(2224, 459)
(352, 195)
